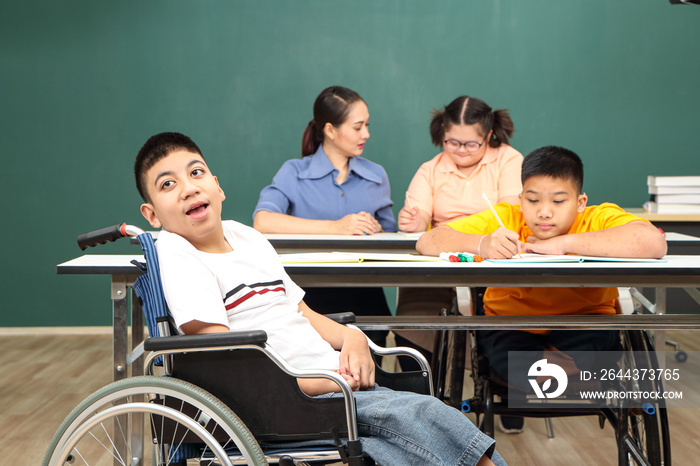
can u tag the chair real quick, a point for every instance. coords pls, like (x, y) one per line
(642, 302)
(443, 301)
(222, 399)
(641, 429)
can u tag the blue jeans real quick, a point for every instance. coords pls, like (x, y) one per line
(402, 428)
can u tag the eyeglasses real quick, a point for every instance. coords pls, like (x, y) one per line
(470, 146)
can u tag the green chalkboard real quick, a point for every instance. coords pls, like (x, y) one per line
(84, 84)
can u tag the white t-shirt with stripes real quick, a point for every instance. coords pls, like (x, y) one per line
(245, 289)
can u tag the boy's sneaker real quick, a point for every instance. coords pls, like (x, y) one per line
(511, 424)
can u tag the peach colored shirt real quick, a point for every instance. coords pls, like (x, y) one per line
(444, 192)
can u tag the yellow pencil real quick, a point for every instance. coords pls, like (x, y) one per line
(495, 214)
(408, 201)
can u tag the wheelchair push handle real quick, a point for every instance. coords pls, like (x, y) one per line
(106, 235)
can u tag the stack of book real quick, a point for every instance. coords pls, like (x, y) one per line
(674, 194)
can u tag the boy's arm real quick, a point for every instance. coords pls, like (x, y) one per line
(637, 239)
(355, 356)
(501, 244)
(445, 239)
(312, 387)
(194, 327)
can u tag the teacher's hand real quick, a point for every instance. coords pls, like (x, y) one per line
(361, 223)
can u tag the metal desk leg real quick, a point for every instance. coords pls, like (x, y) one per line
(120, 330)
(119, 326)
(123, 359)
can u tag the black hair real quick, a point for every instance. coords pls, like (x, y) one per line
(331, 106)
(555, 162)
(467, 110)
(157, 147)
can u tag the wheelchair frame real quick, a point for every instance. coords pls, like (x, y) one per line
(642, 437)
(187, 421)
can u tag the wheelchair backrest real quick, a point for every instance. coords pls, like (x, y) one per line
(149, 289)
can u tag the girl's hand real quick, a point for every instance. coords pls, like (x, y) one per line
(409, 219)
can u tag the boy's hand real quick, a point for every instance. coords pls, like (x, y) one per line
(501, 244)
(356, 360)
(354, 384)
(554, 245)
(637, 239)
(361, 223)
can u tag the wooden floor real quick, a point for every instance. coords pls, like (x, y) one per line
(45, 375)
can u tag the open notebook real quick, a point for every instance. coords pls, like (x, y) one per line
(344, 257)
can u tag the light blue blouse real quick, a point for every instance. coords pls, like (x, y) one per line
(306, 188)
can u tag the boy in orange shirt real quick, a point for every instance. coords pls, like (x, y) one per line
(553, 218)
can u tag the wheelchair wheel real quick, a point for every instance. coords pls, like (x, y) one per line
(151, 420)
(642, 431)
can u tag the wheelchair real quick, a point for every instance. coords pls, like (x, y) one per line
(641, 429)
(219, 399)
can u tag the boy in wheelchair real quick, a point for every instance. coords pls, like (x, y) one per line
(218, 276)
(553, 218)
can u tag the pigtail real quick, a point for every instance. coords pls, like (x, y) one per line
(437, 127)
(467, 110)
(502, 128)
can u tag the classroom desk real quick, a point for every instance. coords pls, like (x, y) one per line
(678, 243)
(673, 272)
(688, 224)
(676, 272)
(682, 244)
(381, 242)
(677, 301)
(404, 243)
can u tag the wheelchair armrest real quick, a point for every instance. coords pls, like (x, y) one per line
(342, 317)
(184, 342)
(418, 382)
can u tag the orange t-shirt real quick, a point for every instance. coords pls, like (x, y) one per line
(446, 194)
(546, 301)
